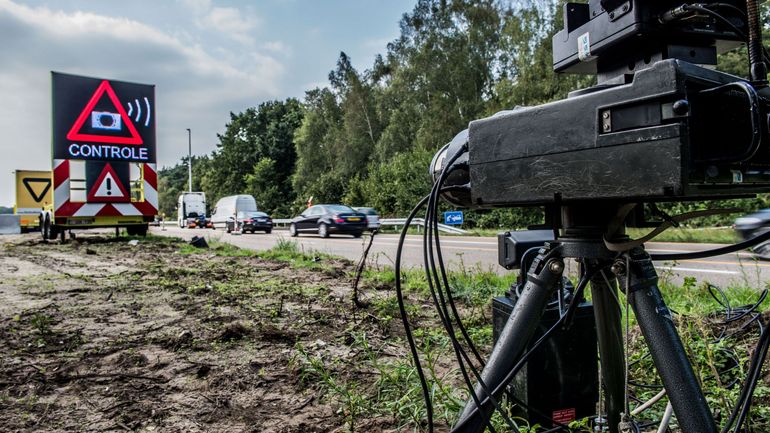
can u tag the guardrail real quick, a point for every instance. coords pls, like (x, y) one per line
(281, 221)
(419, 222)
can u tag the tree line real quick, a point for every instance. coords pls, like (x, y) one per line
(368, 137)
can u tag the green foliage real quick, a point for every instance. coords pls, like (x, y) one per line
(742, 205)
(394, 187)
(172, 181)
(255, 155)
(367, 138)
(261, 183)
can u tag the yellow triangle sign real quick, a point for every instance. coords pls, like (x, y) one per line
(37, 187)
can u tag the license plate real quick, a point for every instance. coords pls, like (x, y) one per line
(80, 221)
(262, 220)
(354, 219)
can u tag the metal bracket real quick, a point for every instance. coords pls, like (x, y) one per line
(616, 9)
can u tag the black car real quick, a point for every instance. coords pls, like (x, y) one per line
(252, 221)
(326, 219)
(753, 225)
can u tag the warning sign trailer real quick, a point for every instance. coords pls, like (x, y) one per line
(104, 156)
(34, 193)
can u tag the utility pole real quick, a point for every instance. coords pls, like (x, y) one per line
(189, 160)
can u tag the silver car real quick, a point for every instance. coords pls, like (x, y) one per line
(372, 219)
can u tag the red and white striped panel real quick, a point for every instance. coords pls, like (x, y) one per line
(64, 207)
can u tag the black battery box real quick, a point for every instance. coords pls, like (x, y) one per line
(559, 382)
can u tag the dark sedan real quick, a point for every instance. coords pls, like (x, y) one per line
(326, 219)
(253, 221)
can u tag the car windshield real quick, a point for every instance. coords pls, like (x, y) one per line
(251, 214)
(338, 208)
(366, 210)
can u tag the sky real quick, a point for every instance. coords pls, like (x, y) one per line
(207, 58)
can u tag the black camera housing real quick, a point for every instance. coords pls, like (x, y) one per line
(653, 130)
(677, 131)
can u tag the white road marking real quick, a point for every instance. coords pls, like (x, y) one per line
(705, 271)
(660, 250)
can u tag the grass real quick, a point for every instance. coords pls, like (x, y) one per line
(694, 310)
(291, 251)
(396, 391)
(284, 251)
(719, 235)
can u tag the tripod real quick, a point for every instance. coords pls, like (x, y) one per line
(582, 237)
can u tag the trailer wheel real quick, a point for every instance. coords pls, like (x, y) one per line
(53, 231)
(45, 226)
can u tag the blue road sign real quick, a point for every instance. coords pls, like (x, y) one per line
(453, 217)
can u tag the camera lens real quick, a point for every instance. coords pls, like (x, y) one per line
(106, 120)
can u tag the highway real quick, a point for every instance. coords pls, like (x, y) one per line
(738, 269)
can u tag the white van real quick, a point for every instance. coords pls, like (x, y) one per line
(227, 208)
(191, 208)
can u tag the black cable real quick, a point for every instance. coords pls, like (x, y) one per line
(440, 302)
(757, 372)
(402, 309)
(743, 404)
(735, 9)
(445, 280)
(405, 319)
(715, 252)
(749, 308)
(720, 17)
(707, 10)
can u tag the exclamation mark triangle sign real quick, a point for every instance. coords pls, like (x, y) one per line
(108, 188)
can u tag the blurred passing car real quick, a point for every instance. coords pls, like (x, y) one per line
(372, 219)
(753, 225)
(326, 219)
(251, 221)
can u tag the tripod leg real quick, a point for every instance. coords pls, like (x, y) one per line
(668, 354)
(610, 337)
(521, 326)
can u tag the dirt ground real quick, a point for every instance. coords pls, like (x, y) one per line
(100, 335)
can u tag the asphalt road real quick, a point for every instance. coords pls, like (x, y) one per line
(481, 253)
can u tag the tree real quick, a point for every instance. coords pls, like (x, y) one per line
(438, 73)
(395, 187)
(263, 132)
(261, 184)
(172, 181)
(315, 144)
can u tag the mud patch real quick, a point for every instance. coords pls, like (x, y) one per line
(99, 335)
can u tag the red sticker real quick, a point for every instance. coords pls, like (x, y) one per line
(563, 416)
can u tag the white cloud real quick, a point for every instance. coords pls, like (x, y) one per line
(234, 23)
(196, 87)
(278, 47)
(229, 19)
(197, 6)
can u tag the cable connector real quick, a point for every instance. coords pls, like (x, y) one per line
(674, 14)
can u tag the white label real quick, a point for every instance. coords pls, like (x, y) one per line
(737, 176)
(584, 47)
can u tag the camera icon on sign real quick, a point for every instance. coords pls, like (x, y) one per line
(105, 120)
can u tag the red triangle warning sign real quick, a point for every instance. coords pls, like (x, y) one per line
(107, 125)
(108, 188)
